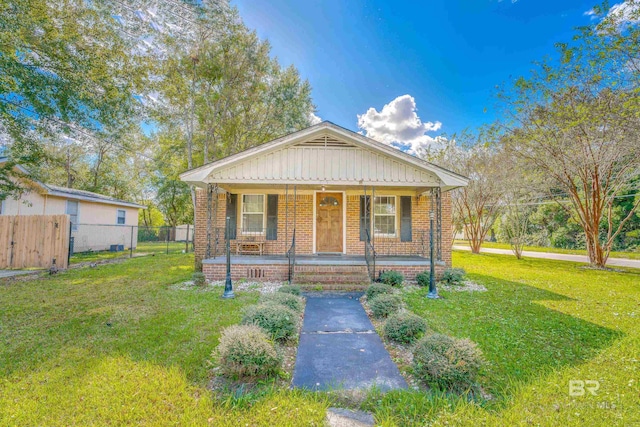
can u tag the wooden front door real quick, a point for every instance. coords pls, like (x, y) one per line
(329, 222)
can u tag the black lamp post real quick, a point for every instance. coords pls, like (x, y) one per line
(228, 286)
(433, 292)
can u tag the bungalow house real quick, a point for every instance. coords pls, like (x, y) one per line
(98, 221)
(323, 204)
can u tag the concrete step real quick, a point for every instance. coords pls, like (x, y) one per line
(319, 278)
(342, 269)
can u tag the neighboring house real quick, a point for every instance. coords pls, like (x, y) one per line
(98, 221)
(355, 206)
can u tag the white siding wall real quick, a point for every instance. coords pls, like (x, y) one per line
(319, 164)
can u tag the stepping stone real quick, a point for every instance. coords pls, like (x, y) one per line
(338, 417)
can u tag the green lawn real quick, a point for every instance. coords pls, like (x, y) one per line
(117, 345)
(143, 248)
(496, 245)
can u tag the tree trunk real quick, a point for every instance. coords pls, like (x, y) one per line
(597, 254)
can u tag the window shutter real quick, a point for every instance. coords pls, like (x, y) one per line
(272, 217)
(232, 214)
(405, 219)
(365, 216)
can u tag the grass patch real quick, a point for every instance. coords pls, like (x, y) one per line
(143, 248)
(116, 344)
(496, 245)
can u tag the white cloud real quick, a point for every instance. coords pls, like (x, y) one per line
(627, 11)
(591, 13)
(399, 125)
(314, 119)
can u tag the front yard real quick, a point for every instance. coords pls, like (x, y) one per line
(118, 344)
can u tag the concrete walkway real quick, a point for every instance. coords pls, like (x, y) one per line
(611, 262)
(339, 347)
(12, 273)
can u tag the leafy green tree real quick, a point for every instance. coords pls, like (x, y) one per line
(575, 123)
(64, 70)
(477, 206)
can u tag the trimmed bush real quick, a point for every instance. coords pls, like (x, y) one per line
(404, 328)
(453, 276)
(447, 363)
(245, 351)
(423, 278)
(280, 322)
(392, 278)
(288, 300)
(377, 289)
(290, 289)
(384, 305)
(199, 279)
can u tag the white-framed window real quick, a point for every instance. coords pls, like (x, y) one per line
(253, 213)
(384, 215)
(72, 211)
(121, 217)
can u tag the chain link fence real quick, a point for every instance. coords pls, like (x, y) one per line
(95, 242)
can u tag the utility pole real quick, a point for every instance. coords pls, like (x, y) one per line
(68, 167)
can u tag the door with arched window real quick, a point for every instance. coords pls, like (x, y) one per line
(329, 222)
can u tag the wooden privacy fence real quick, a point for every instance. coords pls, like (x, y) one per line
(34, 241)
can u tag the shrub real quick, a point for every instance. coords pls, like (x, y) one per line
(245, 351)
(404, 327)
(392, 278)
(290, 289)
(376, 289)
(423, 278)
(447, 363)
(293, 302)
(453, 276)
(384, 305)
(199, 279)
(280, 322)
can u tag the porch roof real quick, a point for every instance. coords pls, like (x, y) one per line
(324, 155)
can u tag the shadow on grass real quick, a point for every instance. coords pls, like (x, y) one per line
(521, 339)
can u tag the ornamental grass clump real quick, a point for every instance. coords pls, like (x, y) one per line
(447, 363)
(453, 276)
(295, 303)
(278, 321)
(392, 278)
(290, 289)
(246, 351)
(199, 279)
(404, 328)
(385, 305)
(377, 289)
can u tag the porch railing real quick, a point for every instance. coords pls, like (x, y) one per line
(291, 255)
(267, 241)
(370, 257)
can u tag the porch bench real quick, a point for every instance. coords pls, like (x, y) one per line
(250, 246)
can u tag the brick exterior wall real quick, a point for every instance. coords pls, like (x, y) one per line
(304, 231)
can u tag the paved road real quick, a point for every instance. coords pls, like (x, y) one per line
(612, 262)
(339, 348)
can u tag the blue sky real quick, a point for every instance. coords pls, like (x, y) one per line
(447, 55)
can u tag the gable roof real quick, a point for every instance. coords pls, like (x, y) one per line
(338, 137)
(72, 193)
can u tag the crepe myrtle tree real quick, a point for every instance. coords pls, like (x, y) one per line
(476, 206)
(575, 122)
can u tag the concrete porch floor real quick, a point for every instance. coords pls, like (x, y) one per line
(333, 259)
